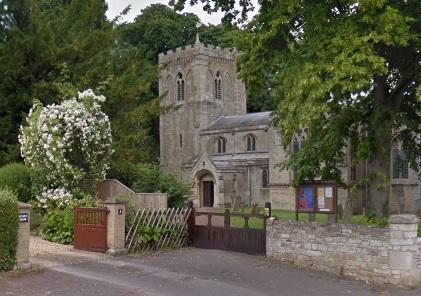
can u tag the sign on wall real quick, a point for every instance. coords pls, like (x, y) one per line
(316, 197)
(23, 217)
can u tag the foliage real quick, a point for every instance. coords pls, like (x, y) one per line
(47, 50)
(9, 223)
(131, 209)
(231, 11)
(57, 226)
(17, 177)
(370, 220)
(150, 236)
(69, 141)
(150, 180)
(147, 235)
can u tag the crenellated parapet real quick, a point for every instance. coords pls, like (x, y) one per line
(186, 53)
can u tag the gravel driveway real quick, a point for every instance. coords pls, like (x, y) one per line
(185, 272)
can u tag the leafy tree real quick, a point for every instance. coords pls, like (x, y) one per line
(149, 179)
(347, 72)
(48, 49)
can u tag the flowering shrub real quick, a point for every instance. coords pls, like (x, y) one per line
(58, 198)
(69, 141)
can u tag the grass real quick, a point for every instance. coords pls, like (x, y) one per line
(285, 215)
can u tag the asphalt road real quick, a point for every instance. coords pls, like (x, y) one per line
(186, 272)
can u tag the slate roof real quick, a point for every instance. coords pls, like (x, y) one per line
(240, 156)
(233, 121)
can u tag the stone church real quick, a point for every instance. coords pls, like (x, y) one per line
(231, 155)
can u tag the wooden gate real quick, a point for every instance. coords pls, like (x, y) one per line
(211, 230)
(90, 229)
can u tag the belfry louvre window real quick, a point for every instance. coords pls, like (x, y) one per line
(180, 87)
(400, 165)
(221, 145)
(218, 86)
(251, 143)
(265, 178)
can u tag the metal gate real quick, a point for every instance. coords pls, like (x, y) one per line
(212, 230)
(90, 229)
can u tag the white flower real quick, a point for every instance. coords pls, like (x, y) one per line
(67, 127)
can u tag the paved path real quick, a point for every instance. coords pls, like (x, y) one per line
(186, 272)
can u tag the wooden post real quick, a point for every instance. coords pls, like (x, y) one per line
(246, 222)
(268, 209)
(227, 224)
(227, 220)
(191, 221)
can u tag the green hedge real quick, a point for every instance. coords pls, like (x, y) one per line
(17, 177)
(9, 223)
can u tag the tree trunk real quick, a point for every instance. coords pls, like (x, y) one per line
(379, 165)
(380, 184)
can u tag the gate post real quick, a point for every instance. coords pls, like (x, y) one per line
(115, 226)
(22, 250)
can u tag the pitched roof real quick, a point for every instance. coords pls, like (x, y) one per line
(240, 156)
(233, 121)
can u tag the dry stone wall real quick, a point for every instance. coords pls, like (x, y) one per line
(381, 255)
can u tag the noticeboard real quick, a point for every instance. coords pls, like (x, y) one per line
(316, 197)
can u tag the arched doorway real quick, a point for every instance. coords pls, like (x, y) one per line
(206, 189)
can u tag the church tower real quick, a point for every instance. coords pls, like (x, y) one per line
(197, 85)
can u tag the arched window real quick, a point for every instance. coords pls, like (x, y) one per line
(265, 178)
(251, 143)
(181, 140)
(218, 86)
(222, 142)
(400, 165)
(180, 87)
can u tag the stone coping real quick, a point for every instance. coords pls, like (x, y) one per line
(22, 205)
(404, 219)
(112, 201)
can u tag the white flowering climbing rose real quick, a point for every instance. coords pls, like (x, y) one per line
(58, 198)
(69, 141)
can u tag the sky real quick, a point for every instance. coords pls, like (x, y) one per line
(116, 6)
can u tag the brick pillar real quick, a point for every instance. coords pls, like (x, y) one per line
(115, 226)
(405, 252)
(22, 251)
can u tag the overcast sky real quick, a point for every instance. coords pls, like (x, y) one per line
(116, 6)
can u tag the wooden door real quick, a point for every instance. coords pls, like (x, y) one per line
(208, 193)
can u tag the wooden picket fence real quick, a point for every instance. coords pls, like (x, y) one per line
(155, 229)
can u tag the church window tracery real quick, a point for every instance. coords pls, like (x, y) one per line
(221, 143)
(251, 143)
